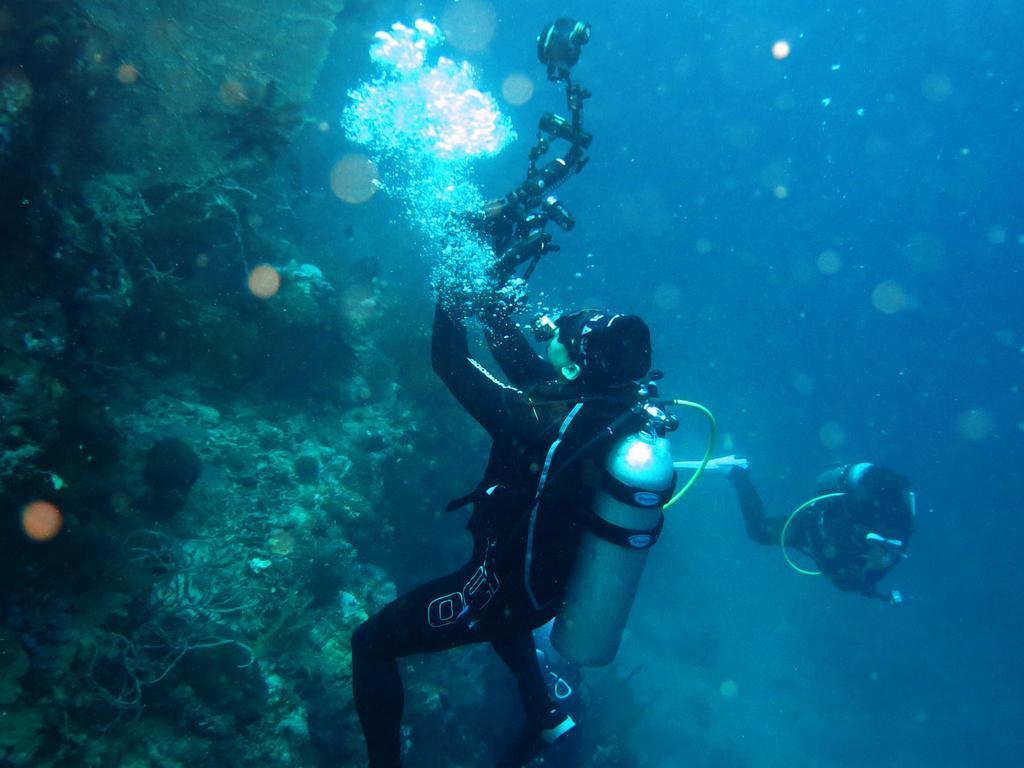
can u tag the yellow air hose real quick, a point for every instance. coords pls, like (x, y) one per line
(707, 454)
(794, 513)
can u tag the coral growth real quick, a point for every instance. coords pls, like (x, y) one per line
(262, 128)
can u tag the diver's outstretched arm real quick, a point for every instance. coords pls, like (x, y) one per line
(499, 408)
(513, 352)
(759, 528)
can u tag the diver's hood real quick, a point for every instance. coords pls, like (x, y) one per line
(609, 349)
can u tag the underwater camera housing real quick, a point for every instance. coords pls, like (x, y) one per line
(559, 45)
(516, 223)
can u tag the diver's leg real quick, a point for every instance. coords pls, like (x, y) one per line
(546, 722)
(378, 692)
(519, 652)
(421, 621)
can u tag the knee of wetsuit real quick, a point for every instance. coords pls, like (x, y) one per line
(362, 643)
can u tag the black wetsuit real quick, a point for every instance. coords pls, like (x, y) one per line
(527, 517)
(832, 531)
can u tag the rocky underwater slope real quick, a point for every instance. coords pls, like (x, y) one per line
(220, 455)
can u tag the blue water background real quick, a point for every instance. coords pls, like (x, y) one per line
(894, 129)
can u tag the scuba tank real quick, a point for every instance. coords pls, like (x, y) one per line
(637, 481)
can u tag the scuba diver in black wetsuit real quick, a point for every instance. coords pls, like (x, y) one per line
(528, 514)
(856, 530)
(578, 474)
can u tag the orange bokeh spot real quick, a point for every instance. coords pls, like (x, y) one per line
(41, 521)
(264, 281)
(282, 542)
(127, 74)
(233, 93)
(354, 178)
(780, 50)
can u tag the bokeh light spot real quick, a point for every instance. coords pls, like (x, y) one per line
(127, 74)
(937, 87)
(888, 297)
(728, 689)
(803, 383)
(781, 192)
(666, 296)
(802, 271)
(832, 435)
(740, 134)
(282, 542)
(264, 281)
(776, 175)
(976, 424)
(829, 262)
(469, 25)
(233, 93)
(785, 101)
(781, 50)
(354, 178)
(41, 521)
(996, 236)
(1006, 337)
(517, 89)
(926, 252)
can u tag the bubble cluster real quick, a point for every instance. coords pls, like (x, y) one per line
(423, 124)
(832, 435)
(421, 109)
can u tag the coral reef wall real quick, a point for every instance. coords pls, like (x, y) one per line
(204, 443)
(213, 405)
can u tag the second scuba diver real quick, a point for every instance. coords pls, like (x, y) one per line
(529, 512)
(856, 530)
